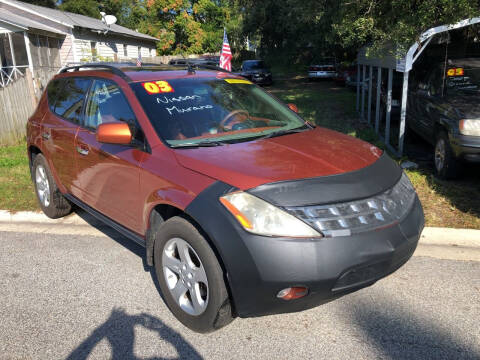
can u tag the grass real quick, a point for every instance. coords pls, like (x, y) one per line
(446, 203)
(16, 188)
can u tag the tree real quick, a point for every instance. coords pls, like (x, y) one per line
(401, 22)
(83, 7)
(129, 13)
(341, 27)
(186, 26)
(47, 3)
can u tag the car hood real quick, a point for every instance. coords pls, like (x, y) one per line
(314, 153)
(465, 105)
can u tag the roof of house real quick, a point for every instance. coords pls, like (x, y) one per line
(22, 22)
(62, 17)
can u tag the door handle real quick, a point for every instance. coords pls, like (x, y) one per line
(82, 151)
(46, 135)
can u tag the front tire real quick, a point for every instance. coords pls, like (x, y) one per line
(190, 277)
(446, 165)
(50, 199)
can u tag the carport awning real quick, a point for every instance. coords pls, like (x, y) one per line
(387, 57)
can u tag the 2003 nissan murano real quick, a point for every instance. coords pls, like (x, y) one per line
(244, 208)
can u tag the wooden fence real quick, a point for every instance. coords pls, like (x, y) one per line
(17, 103)
(18, 100)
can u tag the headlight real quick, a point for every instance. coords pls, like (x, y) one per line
(470, 127)
(259, 217)
(343, 219)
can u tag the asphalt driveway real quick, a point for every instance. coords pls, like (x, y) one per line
(78, 297)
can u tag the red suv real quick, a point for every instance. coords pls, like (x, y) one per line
(244, 208)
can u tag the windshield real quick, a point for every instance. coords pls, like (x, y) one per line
(253, 65)
(462, 80)
(189, 111)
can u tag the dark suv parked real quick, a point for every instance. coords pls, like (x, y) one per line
(443, 109)
(257, 72)
(244, 208)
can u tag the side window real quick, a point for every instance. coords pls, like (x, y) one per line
(106, 103)
(436, 81)
(70, 98)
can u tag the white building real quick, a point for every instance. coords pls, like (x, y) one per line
(44, 39)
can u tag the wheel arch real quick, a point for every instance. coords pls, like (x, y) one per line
(160, 213)
(33, 151)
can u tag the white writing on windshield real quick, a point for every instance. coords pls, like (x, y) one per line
(189, 109)
(166, 100)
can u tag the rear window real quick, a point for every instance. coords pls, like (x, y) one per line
(469, 81)
(254, 65)
(195, 110)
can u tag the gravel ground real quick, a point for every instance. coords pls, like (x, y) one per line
(78, 297)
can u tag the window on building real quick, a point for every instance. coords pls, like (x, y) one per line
(5, 52)
(139, 51)
(19, 49)
(125, 50)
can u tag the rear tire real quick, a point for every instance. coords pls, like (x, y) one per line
(445, 163)
(50, 199)
(190, 277)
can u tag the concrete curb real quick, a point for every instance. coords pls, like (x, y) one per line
(38, 218)
(465, 238)
(450, 237)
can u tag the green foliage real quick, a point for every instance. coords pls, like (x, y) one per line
(129, 13)
(300, 30)
(83, 7)
(47, 3)
(186, 26)
(398, 21)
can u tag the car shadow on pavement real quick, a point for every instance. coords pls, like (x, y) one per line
(123, 241)
(115, 235)
(400, 334)
(119, 331)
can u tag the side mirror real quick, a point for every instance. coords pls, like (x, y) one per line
(114, 133)
(293, 107)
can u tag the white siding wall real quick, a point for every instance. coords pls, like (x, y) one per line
(107, 49)
(66, 50)
(82, 49)
(107, 46)
(132, 51)
(145, 52)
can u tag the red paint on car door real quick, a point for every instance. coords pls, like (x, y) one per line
(108, 175)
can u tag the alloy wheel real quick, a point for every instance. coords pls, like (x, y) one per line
(43, 188)
(185, 276)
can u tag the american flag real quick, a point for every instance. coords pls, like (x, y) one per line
(139, 60)
(226, 55)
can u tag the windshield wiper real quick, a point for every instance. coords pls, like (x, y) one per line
(205, 143)
(285, 132)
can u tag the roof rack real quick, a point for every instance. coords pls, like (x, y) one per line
(211, 67)
(111, 67)
(201, 66)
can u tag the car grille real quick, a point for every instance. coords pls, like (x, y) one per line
(357, 216)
